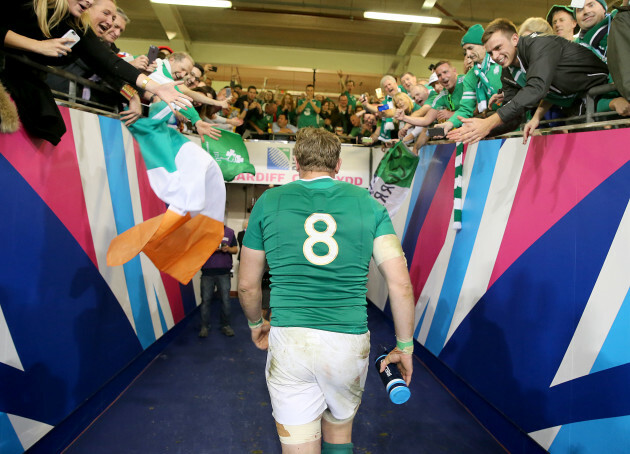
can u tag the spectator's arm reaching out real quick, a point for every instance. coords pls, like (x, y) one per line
(54, 47)
(425, 120)
(532, 124)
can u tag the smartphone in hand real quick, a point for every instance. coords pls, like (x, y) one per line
(153, 53)
(71, 34)
(435, 132)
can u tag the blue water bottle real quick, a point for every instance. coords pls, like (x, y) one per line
(394, 384)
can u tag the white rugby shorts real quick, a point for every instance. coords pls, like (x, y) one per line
(309, 370)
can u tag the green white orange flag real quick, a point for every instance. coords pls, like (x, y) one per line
(188, 179)
(393, 177)
(231, 154)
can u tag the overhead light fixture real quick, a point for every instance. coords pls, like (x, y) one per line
(402, 17)
(207, 3)
(428, 4)
(171, 35)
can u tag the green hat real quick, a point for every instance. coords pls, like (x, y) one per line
(555, 8)
(473, 35)
(568, 9)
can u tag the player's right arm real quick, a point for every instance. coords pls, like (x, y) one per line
(252, 267)
(390, 259)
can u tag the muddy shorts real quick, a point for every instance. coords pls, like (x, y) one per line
(309, 370)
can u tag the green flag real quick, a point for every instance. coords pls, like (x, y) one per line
(398, 166)
(393, 177)
(230, 153)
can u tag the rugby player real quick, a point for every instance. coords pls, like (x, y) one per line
(318, 235)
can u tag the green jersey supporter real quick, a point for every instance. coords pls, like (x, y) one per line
(450, 100)
(308, 115)
(481, 82)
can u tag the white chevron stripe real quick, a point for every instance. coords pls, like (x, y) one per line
(494, 220)
(150, 274)
(613, 284)
(430, 295)
(28, 431)
(98, 201)
(8, 352)
(545, 437)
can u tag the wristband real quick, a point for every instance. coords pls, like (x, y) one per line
(405, 346)
(128, 92)
(256, 324)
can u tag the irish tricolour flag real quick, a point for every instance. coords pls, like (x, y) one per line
(393, 177)
(189, 180)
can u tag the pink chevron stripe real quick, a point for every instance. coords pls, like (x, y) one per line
(151, 207)
(559, 171)
(434, 230)
(53, 172)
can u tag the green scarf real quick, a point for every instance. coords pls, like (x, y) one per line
(484, 90)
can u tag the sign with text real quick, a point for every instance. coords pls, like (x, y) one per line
(274, 164)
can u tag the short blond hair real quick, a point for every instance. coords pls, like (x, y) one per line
(535, 25)
(408, 102)
(317, 150)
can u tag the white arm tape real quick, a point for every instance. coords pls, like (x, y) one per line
(386, 247)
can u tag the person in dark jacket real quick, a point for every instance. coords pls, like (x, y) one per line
(38, 28)
(534, 68)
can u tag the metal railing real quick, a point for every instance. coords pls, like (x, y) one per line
(589, 121)
(70, 98)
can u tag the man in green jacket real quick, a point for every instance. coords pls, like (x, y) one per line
(481, 83)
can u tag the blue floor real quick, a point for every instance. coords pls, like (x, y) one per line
(207, 396)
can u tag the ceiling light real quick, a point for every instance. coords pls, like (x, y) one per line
(428, 4)
(402, 17)
(210, 3)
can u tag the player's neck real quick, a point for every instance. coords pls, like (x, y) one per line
(310, 175)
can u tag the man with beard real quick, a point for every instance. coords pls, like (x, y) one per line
(481, 83)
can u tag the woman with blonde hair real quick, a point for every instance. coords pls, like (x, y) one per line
(535, 25)
(56, 32)
(287, 107)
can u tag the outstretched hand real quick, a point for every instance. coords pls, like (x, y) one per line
(207, 129)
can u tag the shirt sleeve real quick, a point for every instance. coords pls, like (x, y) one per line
(102, 59)
(254, 235)
(383, 222)
(468, 101)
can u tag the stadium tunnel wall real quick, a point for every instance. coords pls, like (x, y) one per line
(75, 332)
(524, 312)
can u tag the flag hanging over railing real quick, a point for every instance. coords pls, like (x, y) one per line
(393, 177)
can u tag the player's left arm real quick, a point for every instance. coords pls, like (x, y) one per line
(390, 259)
(250, 294)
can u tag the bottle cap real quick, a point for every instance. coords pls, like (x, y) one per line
(400, 395)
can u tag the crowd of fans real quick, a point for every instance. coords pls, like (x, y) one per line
(513, 77)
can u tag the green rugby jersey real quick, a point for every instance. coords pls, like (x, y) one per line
(318, 237)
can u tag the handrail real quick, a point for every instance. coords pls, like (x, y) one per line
(73, 78)
(101, 109)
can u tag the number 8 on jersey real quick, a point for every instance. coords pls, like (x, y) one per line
(325, 237)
